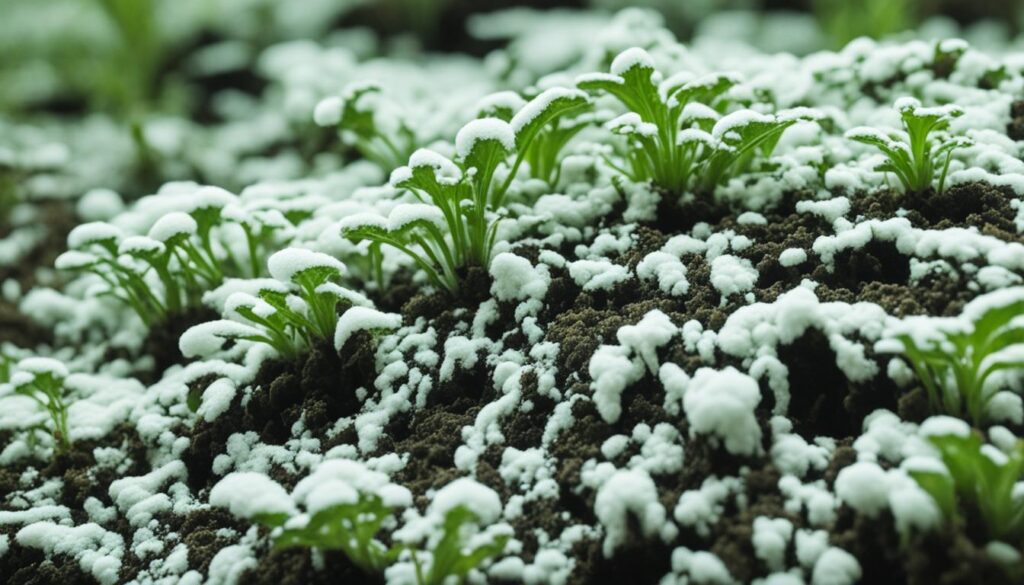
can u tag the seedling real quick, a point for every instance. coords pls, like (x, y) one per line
(364, 122)
(675, 134)
(955, 359)
(922, 150)
(351, 528)
(978, 478)
(452, 558)
(463, 200)
(42, 380)
(181, 251)
(293, 311)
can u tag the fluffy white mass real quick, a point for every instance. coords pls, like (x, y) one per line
(722, 403)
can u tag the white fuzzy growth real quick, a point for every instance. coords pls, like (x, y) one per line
(722, 403)
(737, 120)
(612, 371)
(771, 539)
(328, 111)
(99, 205)
(483, 129)
(478, 498)
(630, 58)
(836, 567)
(538, 105)
(97, 551)
(507, 100)
(626, 493)
(829, 209)
(43, 365)
(667, 269)
(732, 275)
(363, 319)
(210, 197)
(207, 338)
(363, 220)
(864, 486)
(140, 245)
(653, 331)
(516, 279)
(631, 123)
(173, 224)
(942, 425)
(74, 260)
(597, 274)
(286, 264)
(407, 213)
(92, 232)
(249, 494)
(792, 257)
(217, 399)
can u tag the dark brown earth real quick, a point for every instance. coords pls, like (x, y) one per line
(320, 386)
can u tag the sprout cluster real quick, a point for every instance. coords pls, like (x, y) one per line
(462, 200)
(980, 478)
(922, 150)
(42, 380)
(676, 134)
(183, 254)
(962, 363)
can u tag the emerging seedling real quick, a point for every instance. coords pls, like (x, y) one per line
(462, 200)
(454, 556)
(181, 251)
(978, 479)
(293, 311)
(922, 150)
(42, 380)
(342, 506)
(676, 136)
(365, 122)
(957, 359)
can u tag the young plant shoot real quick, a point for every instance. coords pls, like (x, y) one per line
(42, 380)
(920, 152)
(963, 362)
(675, 133)
(462, 201)
(979, 481)
(365, 122)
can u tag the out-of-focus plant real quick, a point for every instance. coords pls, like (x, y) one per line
(845, 20)
(955, 359)
(978, 479)
(366, 122)
(463, 200)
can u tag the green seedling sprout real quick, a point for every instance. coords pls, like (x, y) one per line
(957, 360)
(42, 380)
(676, 136)
(922, 151)
(462, 201)
(977, 478)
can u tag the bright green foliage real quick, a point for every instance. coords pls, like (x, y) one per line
(295, 310)
(845, 20)
(131, 78)
(452, 558)
(42, 380)
(362, 118)
(955, 359)
(463, 200)
(350, 528)
(181, 251)
(676, 135)
(922, 150)
(543, 148)
(978, 482)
